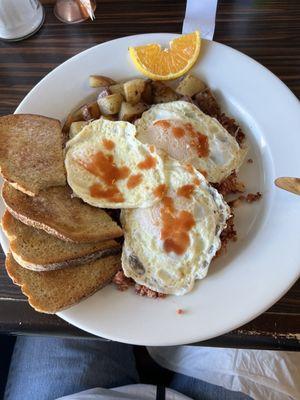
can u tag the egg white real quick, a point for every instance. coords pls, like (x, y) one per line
(128, 152)
(225, 154)
(144, 258)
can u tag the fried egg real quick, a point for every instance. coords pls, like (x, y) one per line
(108, 167)
(190, 136)
(171, 244)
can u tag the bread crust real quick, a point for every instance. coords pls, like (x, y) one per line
(53, 291)
(38, 251)
(57, 213)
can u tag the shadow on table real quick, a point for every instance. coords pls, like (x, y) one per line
(6, 348)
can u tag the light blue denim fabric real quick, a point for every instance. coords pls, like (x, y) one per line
(45, 368)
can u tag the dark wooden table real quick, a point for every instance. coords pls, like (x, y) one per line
(268, 31)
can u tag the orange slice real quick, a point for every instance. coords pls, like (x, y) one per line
(163, 64)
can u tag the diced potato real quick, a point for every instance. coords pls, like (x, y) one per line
(90, 111)
(163, 93)
(117, 88)
(147, 96)
(76, 127)
(70, 119)
(104, 92)
(111, 117)
(85, 112)
(110, 104)
(99, 80)
(129, 112)
(190, 85)
(133, 90)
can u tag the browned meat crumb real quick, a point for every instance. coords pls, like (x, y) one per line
(228, 234)
(180, 311)
(249, 198)
(232, 127)
(208, 104)
(230, 185)
(122, 282)
(250, 161)
(188, 99)
(144, 291)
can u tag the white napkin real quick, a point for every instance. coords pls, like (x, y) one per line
(200, 15)
(261, 374)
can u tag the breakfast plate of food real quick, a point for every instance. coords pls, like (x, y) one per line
(138, 194)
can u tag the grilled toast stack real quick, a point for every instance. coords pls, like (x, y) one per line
(61, 249)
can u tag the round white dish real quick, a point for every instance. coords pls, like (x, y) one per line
(264, 263)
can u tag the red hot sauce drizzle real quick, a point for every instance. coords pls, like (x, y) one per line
(148, 163)
(186, 191)
(175, 227)
(204, 173)
(112, 194)
(160, 191)
(201, 144)
(180, 129)
(108, 144)
(134, 180)
(163, 123)
(189, 168)
(103, 167)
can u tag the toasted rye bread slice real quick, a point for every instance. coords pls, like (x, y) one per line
(36, 250)
(52, 291)
(31, 152)
(56, 212)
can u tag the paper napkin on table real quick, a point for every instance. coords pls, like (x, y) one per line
(200, 15)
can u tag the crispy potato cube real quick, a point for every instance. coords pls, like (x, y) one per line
(133, 90)
(190, 85)
(99, 80)
(163, 93)
(117, 88)
(90, 111)
(70, 119)
(104, 92)
(111, 117)
(147, 95)
(85, 112)
(129, 112)
(110, 104)
(76, 127)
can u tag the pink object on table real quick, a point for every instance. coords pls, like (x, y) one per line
(74, 11)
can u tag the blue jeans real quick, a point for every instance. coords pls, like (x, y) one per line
(47, 368)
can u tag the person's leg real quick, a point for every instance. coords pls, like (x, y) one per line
(200, 390)
(47, 368)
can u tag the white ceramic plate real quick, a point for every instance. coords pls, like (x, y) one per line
(265, 262)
